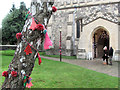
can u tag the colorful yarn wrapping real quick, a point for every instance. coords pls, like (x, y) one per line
(29, 83)
(54, 9)
(47, 42)
(28, 12)
(39, 27)
(5, 74)
(29, 80)
(18, 35)
(25, 80)
(14, 74)
(45, 31)
(28, 50)
(26, 16)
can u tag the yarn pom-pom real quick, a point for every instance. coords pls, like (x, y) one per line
(54, 9)
(39, 27)
(5, 74)
(18, 35)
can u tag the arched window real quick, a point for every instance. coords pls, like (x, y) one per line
(78, 27)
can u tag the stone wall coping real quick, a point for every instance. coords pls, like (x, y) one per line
(8, 45)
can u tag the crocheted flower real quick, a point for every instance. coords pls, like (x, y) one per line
(54, 9)
(14, 73)
(39, 27)
(5, 74)
(18, 35)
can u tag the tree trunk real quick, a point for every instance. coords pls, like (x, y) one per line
(23, 64)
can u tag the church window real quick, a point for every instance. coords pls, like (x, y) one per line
(78, 28)
(81, 25)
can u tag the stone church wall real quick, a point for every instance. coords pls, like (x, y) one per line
(87, 10)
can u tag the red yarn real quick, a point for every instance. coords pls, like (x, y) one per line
(54, 9)
(39, 27)
(39, 59)
(5, 74)
(14, 73)
(28, 50)
(18, 35)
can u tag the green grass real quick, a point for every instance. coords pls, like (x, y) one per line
(54, 74)
(58, 56)
(7, 52)
(11, 53)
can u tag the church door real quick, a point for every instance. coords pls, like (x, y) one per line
(100, 40)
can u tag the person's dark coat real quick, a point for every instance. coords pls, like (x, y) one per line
(105, 55)
(111, 52)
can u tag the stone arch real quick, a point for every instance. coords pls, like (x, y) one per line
(95, 29)
(100, 38)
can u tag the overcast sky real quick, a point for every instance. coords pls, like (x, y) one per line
(6, 5)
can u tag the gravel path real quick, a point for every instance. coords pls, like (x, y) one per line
(95, 65)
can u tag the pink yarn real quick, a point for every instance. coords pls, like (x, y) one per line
(47, 42)
(33, 25)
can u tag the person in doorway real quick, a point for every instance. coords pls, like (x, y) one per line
(110, 55)
(105, 55)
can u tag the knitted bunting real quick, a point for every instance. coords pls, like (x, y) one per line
(28, 50)
(47, 42)
(33, 25)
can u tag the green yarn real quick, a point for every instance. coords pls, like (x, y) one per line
(26, 16)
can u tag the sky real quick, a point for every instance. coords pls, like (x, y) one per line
(6, 5)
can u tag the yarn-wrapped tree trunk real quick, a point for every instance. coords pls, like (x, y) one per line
(23, 64)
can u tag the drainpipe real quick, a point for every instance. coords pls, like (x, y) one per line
(118, 32)
(73, 32)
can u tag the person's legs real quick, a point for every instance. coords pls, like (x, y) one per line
(110, 60)
(107, 61)
(104, 61)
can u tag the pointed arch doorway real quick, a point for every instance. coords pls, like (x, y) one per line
(100, 39)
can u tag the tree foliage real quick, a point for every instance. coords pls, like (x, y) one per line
(13, 23)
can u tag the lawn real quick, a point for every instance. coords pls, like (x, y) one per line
(58, 56)
(11, 53)
(54, 74)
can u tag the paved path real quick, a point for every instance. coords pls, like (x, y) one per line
(95, 65)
